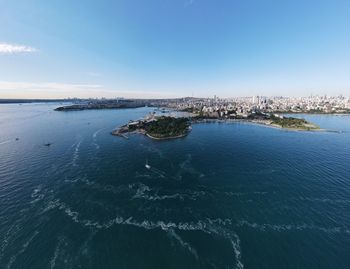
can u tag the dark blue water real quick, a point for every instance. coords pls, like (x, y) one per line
(226, 196)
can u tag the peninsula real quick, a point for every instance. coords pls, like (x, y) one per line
(165, 127)
(156, 127)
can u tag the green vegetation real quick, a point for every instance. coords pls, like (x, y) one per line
(293, 123)
(167, 127)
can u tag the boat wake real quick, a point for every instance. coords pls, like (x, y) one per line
(76, 153)
(94, 138)
(5, 142)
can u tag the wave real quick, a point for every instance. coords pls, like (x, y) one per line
(56, 253)
(84, 248)
(22, 250)
(138, 175)
(159, 198)
(181, 196)
(288, 227)
(184, 244)
(94, 136)
(146, 224)
(245, 193)
(97, 146)
(76, 153)
(140, 192)
(158, 172)
(38, 194)
(236, 245)
(5, 142)
(234, 240)
(138, 188)
(7, 238)
(324, 200)
(218, 227)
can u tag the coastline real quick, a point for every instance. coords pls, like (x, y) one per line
(263, 124)
(298, 126)
(165, 138)
(143, 132)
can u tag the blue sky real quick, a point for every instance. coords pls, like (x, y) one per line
(172, 48)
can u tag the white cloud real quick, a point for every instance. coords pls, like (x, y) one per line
(9, 89)
(6, 48)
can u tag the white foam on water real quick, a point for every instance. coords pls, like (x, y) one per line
(36, 191)
(236, 244)
(76, 153)
(56, 253)
(140, 192)
(51, 205)
(184, 244)
(159, 197)
(7, 237)
(239, 194)
(218, 221)
(201, 225)
(288, 227)
(324, 200)
(158, 172)
(180, 196)
(234, 240)
(97, 146)
(94, 135)
(38, 194)
(208, 226)
(84, 249)
(146, 224)
(138, 175)
(22, 250)
(98, 186)
(5, 142)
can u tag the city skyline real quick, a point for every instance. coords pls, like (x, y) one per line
(168, 49)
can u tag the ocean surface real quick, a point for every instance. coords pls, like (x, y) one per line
(227, 196)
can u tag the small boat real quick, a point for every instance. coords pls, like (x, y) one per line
(147, 165)
(48, 144)
(17, 138)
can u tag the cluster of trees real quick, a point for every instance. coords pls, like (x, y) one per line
(289, 122)
(168, 127)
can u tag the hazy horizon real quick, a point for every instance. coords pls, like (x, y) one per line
(169, 49)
